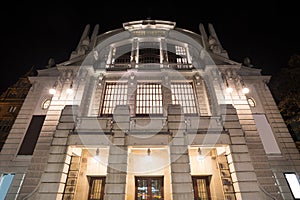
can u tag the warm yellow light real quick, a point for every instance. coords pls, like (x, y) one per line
(245, 90)
(52, 91)
(229, 90)
(200, 156)
(69, 91)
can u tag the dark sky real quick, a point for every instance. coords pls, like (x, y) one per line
(31, 33)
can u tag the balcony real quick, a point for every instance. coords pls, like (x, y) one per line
(148, 66)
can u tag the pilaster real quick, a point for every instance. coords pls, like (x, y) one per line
(115, 187)
(181, 180)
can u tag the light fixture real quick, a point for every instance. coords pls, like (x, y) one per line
(200, 156)
(53, 89)
(100, 78)
(70, 89)
(148, 152)
(197, 78)
(228, 88)
(245, 90)
(199, 151)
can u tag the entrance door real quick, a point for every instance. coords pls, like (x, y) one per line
(149, 188)
(201, 187)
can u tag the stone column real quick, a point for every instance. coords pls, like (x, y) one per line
(181, 180)
(115, 186)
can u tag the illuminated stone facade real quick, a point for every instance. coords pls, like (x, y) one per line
(149, 111)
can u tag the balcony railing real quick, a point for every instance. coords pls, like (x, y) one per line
(148, 66)
(107, 125)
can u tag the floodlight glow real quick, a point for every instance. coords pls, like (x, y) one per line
(69, 91)
(52, 91)
(245, 90)
(229, 90)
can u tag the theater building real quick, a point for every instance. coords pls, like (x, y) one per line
(149, 111)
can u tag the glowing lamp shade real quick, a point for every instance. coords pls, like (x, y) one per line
(294, 184)
(52, 91)
(245, 90)
(69, 91)
(229, 90)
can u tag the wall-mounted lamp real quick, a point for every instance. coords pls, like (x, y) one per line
(200, 156)
(100, 79)
(70, 89)
(53, 89)
(245, 89)
(97, 152)
(199, 151)
(228, 89)
(197, 78)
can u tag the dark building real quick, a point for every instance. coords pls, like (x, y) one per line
(11, 101)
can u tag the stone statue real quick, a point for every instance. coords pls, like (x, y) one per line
(247, 62)
(213, 45)
(51, 63)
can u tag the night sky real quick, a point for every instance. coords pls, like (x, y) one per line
(33, 33)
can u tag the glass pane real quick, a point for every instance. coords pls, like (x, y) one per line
(96, 189)
(115, 94)
(149, 99)
(183, 94)
(142, 189)
(202, 189)
(156, 186)
(149, 188)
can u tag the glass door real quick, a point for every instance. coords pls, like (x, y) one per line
(149, 188)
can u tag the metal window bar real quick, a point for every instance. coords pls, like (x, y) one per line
(183, 94)
(115, 94)
(149, 98)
